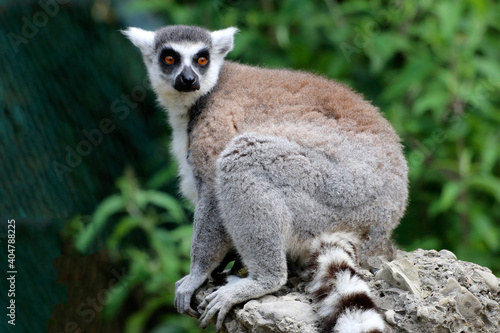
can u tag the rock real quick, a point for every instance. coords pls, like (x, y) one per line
(452, 301)
(466, 303)
(390, 317)
(448, 254)
(279, 315)
(421, 291)
(401, 274)
(490, 280)
(451, 286)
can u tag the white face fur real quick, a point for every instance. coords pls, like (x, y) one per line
(183, 63)
(187, 45)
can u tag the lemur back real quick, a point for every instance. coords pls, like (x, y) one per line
(282, 164)
(320, 116)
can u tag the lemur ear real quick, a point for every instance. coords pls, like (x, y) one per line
(143, 39)
(223, 40)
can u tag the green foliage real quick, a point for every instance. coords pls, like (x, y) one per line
(148, 231)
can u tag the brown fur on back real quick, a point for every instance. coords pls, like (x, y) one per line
(310, 110)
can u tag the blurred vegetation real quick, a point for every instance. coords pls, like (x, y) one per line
(147, 229)
(433, 68)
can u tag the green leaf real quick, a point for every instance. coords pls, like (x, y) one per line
(136, 323)
(385, 45)
(486, 183)
(490, 152)
(490, 68)
(434, 100)
(116, 296)
(448, 197)
(166, 201)
(106, 209)
(165, 247)
(124, 227)
(464, 162)
(449, 14)
(140, 269)
(411, 76)
(486, 230)
(163, 177)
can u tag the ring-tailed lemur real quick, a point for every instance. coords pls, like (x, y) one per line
(278, 164)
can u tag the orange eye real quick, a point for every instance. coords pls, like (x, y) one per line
(202, 61)
(169, 60)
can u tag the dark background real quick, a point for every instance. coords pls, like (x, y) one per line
(84, 147)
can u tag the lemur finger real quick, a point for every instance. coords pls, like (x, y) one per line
(207, 316)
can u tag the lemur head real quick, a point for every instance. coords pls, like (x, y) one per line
(183, 62)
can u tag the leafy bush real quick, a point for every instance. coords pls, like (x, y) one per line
(146, 228)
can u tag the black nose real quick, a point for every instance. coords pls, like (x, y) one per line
(187, 80)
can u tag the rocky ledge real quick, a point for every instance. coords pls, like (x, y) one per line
(419, 291)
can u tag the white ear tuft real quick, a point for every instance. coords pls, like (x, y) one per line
(223, 40)
(143, 39)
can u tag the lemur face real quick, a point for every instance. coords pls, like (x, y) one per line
(182, 61)
(184, 65)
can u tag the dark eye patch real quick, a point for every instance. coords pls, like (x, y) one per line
(205, 53)
(169, 52)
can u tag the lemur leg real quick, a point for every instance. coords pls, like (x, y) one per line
(209, 248)
(377, 242)
(255, 215)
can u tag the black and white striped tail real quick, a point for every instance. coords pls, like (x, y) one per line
(344, 300)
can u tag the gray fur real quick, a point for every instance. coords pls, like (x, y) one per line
(181, 34)
(273, 160)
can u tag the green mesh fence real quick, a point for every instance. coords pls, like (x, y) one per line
(75, 111)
